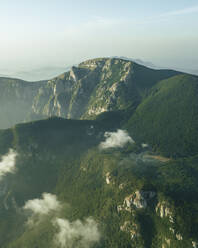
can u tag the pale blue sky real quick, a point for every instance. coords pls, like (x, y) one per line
(39, 33)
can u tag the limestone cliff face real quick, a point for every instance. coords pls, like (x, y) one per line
(143, 203)
(95, 86)
(91, 88)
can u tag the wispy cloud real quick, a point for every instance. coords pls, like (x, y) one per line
(166, 15)
(189, 10)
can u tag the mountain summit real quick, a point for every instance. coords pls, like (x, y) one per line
(95, 86)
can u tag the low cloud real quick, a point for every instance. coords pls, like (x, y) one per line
(76, 234)
(7, 164)
(116, 139)
(44, 206)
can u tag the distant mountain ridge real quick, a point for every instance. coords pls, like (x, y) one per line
(158, 67)
(42, 73)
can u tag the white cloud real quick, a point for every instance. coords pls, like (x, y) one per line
(7, 164)
(116, 139)
(44, 206)
(76, 234)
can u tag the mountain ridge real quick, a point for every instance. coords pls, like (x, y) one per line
(79, 92)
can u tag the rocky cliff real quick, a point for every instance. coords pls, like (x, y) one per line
(95, 86)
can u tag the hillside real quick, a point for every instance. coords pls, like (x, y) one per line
(72, 185)
(167, 118)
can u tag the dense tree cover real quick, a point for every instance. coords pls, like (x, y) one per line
(52, 158)
(168, 118)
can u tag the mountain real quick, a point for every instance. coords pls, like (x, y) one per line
(95, 86)
(80, 183)
(147, 101)
(123, 175)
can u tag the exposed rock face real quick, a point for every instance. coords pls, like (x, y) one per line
(194, 244)
(95, 86)
(164, 210)
(179, 236)
(138, 200)
(167, 243)
(131, 228)
(172, 230)
(108, 178)
(122, 185)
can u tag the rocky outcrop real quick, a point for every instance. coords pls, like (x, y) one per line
(166, 243)
(179, 236)
(194, 244)
(137, 200)
(131, 228)
(108, 178)
(164, 210)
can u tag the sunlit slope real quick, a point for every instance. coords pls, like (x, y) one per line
(168, 118)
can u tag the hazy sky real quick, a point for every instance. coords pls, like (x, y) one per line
(38, 33)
